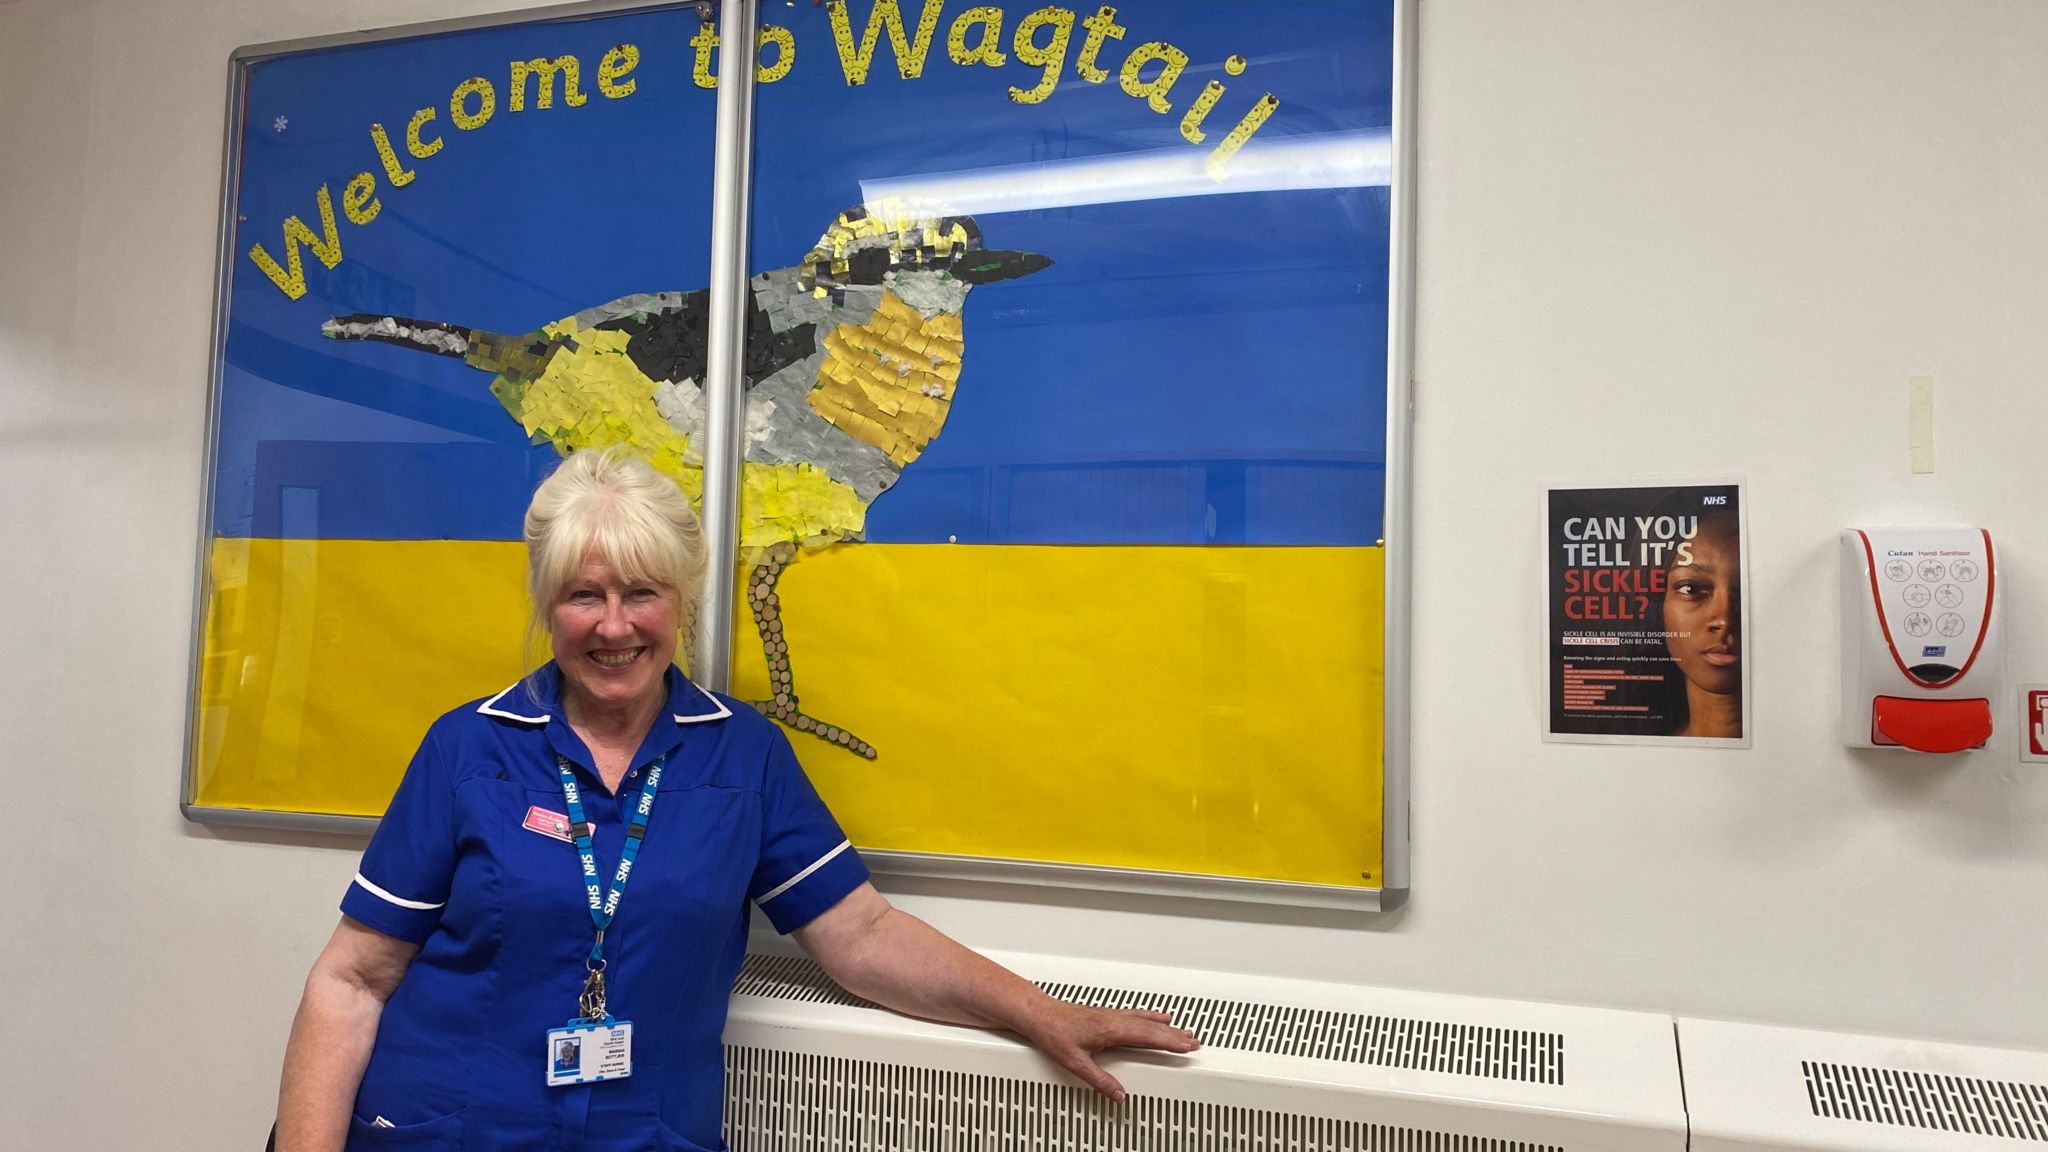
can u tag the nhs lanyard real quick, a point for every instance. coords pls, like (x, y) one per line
(604, 905)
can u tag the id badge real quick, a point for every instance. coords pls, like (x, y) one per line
(583, 1051)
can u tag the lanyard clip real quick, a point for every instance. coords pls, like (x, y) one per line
(590, 1004)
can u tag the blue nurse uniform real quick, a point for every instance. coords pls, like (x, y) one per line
(468, 863)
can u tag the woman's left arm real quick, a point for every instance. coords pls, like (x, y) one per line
(879, 952)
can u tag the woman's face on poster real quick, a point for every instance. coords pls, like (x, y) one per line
(1702, 610)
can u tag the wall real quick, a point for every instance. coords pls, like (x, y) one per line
(1654, 237)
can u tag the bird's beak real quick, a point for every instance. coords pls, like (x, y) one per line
(988, 266)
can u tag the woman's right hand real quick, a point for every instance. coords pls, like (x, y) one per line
(1073, 1034)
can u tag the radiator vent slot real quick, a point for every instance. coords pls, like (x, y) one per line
(1350, 1037)
(1927, 1100)
(796, 1102)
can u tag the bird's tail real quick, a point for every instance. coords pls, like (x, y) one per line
(424, 335)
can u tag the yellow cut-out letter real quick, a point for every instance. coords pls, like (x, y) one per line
(989, 49)
(1260, 113)
(705, 42)
(413, 144)
(785, 53)
(1052, 57)
(1191, 124)
(293, 283)
(359, 201)
(617, 63)
(487, 95)
(1102, 24)
(393, 171)
(1154, 91)
(910, 53)
(571, 70)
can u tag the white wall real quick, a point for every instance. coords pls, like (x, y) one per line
(1654, 237)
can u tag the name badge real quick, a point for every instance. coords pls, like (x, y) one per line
(551, 824)
(585, 1051)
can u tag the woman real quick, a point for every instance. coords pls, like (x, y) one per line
(1702, 627)
(493, 906)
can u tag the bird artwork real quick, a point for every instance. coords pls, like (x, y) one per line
(851, 361)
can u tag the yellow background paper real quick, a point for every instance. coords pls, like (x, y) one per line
(1200, 709)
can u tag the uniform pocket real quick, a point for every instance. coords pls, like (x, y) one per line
(542, 879)
(441, 1132)
(667, 1139)
(694, 864)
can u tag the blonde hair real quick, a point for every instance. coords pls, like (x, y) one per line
(611, 502)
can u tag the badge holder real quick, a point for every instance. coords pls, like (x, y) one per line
(586, 1051)
(592, 1046)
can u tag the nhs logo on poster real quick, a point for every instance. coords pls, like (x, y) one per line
(1934, 650)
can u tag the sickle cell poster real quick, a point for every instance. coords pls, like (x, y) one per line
(1647, 640)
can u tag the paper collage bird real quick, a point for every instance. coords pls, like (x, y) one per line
(851, 361)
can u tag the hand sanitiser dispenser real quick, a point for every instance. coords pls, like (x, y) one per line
(1921, 634)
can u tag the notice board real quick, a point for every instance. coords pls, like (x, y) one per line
(1069, 496)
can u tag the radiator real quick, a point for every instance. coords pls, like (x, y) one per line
(1754, 1088)
(1289, 1065)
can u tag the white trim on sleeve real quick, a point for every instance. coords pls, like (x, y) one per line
(381, 894)
(793, 881)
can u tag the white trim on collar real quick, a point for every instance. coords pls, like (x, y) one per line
(721, 714)
(486, 709)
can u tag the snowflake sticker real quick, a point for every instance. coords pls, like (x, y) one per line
(280, 124)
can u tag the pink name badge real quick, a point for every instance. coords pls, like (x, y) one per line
(555, 824)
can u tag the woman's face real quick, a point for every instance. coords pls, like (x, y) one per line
(1702, 607)
(613, 638)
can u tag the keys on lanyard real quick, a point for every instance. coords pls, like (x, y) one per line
(593, 1046)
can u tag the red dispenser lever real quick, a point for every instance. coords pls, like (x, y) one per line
(1930, 725)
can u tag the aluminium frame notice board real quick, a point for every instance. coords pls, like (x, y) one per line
(1062, 397)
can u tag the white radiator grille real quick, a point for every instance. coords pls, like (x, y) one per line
(1350, 1037)
(798, 1102)
(1927, 1100)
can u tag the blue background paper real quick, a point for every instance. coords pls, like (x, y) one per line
(1203, 369)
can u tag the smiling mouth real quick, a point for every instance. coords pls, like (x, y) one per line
(618, 658)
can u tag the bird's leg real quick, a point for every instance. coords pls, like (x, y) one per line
(767, 608)
(782, 703)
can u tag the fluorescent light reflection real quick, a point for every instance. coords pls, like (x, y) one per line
(1360, 159)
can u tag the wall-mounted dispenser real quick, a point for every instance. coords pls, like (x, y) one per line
(1921, 628)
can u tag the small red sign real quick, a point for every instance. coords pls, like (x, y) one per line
(555, 824)
(2037, 723)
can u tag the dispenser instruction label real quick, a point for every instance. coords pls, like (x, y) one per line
(1933, 593)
